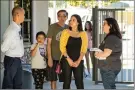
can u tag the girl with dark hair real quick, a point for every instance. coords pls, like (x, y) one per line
(38, 63)
(112, 49)
(73, 46)
(88, 29)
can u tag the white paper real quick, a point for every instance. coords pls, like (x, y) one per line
(96, 49)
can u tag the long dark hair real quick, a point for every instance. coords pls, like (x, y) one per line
(114, 28)
(90, 25)
(78, 18)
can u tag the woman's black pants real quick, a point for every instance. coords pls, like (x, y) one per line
(78, 75)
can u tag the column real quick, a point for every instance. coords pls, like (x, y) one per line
(40, 17)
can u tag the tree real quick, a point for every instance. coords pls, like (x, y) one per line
(82, 3)
(59, 4)
(89, 3)
(26, 5)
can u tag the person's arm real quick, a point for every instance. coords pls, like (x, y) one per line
(49, 42)
(110, 43)
(84, 46)
(49, 52)
(34, 49)
(104, 54)
(63, 42)
(8, 42)
(91, 35)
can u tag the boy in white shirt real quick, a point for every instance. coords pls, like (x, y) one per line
(38, 53)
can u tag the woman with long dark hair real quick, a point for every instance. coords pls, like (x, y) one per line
(112, 50)
(73, 46)
(88, 29)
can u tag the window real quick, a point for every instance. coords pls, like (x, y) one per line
(27, 25)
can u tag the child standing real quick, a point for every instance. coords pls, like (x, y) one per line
(38, 53)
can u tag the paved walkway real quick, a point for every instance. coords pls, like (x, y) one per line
(88, 84)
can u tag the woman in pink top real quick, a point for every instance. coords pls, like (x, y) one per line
(88, 29)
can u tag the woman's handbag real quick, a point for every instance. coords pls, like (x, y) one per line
(59, 70)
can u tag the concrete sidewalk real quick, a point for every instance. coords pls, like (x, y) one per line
(88, 84)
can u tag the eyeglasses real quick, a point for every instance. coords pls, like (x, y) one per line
(62, 16)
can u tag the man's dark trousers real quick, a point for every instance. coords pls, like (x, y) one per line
(12, 73)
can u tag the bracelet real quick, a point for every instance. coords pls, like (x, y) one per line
(66, 56)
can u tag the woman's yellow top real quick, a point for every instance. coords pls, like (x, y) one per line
(64, 39)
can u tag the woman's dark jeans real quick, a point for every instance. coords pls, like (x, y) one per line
(108, 78)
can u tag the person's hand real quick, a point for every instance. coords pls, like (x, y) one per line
(76, 63)
(50, 62)
(96, 54)
(70, 62)
(36, 46)
(39, 43)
